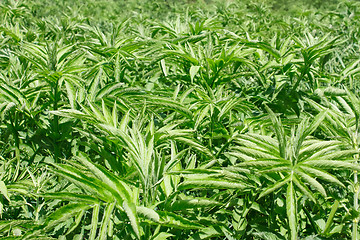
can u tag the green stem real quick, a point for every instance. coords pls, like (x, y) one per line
(56, 124)
(356, 206)
(356, 189)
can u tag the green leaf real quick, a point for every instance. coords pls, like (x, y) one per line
(4, 190)
(163, 67)
(319, 173)
(76, 222)
(176, 221)
(130, 211)
(211, 183)
(64, 213)
(162, 236)
(193, 71)
(266, 47)
(67, 196)
(279, 131)
(331, 164)
(315, 123)
(106, 220)
(111, 182)
(82, 180)
(94, 221)
(192, 203)
(148, 213)
(275, 186)
(119, 190)
(304, 189)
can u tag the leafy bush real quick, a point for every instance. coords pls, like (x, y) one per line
(179, 119)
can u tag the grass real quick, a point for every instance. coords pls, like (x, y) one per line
(179, 120)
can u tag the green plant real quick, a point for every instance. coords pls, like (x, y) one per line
(201, 119)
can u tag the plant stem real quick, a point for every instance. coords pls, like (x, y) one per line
(56, 122)
(356, 190)
(356, 206)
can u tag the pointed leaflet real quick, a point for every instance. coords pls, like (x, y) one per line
(336, 155)
(67, 196)
(63, 214)
(4, 190)
(162, 236)
(304, 189)
(279, 131)
(71, 93)
(163, 67)
(256, 153)
(73, 113)
(106, 220)
(209, 183)
(264, 46)
(13, 94)
(354, 104)
(302, 131)
(321, 174)
(82, 180)
(331, 164)
(119, 189)
(315, 123)
(192, 203)
(94, 112)
(351, 69)
(124, 122)
(196, 145)
(109, 90)
(312, 181)
(275, 186)
(264, 163)
(77, 221)
(114, 115)
(266, 142)
(201, 114)
(193, 71)
(94, 221)
(148, 213)
(176, 221)
(106, 113)
(345, 105)
(167, 103)
(130, 211)
(328, 153)
(311, 148)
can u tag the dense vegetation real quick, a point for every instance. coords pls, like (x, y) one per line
(179, 119)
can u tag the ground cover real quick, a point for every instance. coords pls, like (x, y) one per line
(179, 119)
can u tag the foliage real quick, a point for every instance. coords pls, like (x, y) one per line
(198, 119)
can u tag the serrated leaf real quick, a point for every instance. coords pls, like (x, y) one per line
(64, 213)
(275, 186)
(192, 203)
(193, 71)
(211, 183)
(4, 190)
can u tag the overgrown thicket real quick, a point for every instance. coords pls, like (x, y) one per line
(179, 120)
